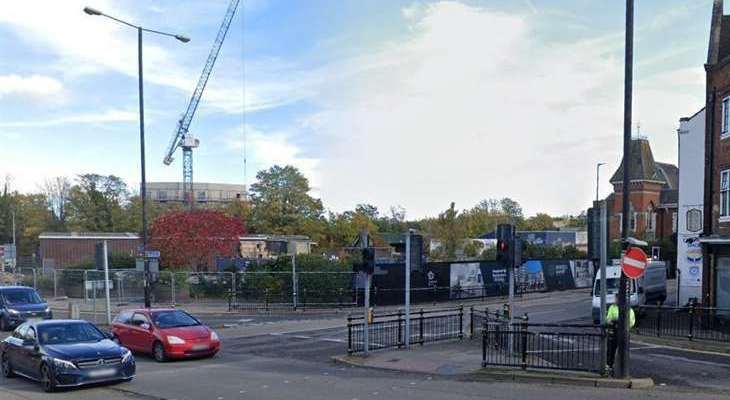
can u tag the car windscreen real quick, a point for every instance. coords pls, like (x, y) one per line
(173, 319)
(74, 332)
(20, 297)
(611, 286)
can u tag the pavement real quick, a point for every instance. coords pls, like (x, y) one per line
(287, 357)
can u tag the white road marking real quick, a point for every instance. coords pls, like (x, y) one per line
(689, 360)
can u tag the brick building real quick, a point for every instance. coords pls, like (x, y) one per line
(715, 238)
(72, 249)
(652, 198)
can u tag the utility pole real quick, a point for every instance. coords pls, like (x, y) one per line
(15, 247)
(598, 174)
(366, 315)
(623, 370)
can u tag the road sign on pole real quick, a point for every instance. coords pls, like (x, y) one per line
(633, 263)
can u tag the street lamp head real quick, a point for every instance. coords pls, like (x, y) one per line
(92, 11)
(182, 38)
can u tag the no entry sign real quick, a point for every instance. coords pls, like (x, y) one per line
(633, 263)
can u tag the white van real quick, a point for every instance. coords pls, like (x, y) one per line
(648, 289)
(613, 276)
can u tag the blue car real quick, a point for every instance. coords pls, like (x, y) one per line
(19, 304)
(64, 353)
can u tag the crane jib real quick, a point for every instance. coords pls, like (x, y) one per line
(178, 139)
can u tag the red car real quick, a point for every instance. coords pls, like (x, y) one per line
(166, 333)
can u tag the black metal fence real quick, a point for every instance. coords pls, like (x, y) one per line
(692, 322)
(545, 346)
(388, 330)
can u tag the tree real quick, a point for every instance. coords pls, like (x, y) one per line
(449, 232)
(281, 202)
(512, 209)
(57, 192)
(539, 222)
(96, 203)
(192, 238)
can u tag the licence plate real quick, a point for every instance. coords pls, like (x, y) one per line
(102, 373)
(197, 347)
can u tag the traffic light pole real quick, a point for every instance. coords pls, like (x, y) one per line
(366, 304)
(623, 370)
(407, 269)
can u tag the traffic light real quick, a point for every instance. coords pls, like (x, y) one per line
(367, 264)
(503, 251)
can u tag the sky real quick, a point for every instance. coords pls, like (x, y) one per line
(388, 102)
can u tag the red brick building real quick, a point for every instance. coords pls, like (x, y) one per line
(715, 236)
(652, 196)
(70, 249)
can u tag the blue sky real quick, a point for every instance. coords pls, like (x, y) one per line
(410, 103)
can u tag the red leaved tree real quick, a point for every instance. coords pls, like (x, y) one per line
(193, 238)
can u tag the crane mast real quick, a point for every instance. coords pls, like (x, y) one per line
(182, 138)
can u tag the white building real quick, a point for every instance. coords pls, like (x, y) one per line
(691, 136)
(205, 193)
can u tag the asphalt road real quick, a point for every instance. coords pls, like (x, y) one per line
(280, 357)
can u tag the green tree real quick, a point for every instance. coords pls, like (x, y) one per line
(448, 231)
(96, 203)
(539, 222)
(281, 202)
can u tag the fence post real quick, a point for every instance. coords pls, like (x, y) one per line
(233, 284)
(339, 298)
(471, 322)
(55, 284)
(420, 327)
(266, 299)
(304, 300)
(461, 321)
(86, 293)
(484, 346)
(172, 288)
(400, 327)
(525, 320)
(691, 320)
(658, 321)
(349, 333)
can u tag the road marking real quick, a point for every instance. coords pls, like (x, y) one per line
(302, 337)
(332, 340)
(682, 349)
(689, 360)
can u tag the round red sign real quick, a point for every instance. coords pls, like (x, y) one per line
(633, 263)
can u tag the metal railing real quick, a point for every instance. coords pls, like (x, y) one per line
(388, 330)
(691, 322)
(544, 346)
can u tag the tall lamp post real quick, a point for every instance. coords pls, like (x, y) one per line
(143, 189)
(598, 171)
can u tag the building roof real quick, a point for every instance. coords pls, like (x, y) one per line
(89, 235)
(275, 238)
(670, 173)
(642, 166)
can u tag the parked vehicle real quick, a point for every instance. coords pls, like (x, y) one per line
(64, 353)
(613, 275)
(19, 304)
(648, 289)
(165, 334)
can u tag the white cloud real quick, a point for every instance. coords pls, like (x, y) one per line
(36, 87)
(109, 116)
(473, 104)
(266, 149)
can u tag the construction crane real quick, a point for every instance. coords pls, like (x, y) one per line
(182, 138)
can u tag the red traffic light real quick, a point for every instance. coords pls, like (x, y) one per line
(502, 245)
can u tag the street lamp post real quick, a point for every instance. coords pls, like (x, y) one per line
(143, 184)
(598, 171)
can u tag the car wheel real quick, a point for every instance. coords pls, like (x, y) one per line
(47, 380)
(6, 367)
(158, 351)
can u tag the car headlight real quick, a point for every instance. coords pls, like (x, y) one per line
(14, 312)
(214, 336)
(63, 364)
(175, 340)
(126, 356)
(48, 309)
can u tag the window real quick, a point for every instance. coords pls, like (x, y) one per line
(620, 223)
(162, 195)
(694, 220)
(139, 319)
(632, 222)
(123, 317)
(725, 193)
(674, 221)
(201, 196)
(724, 131)
(650, 221)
